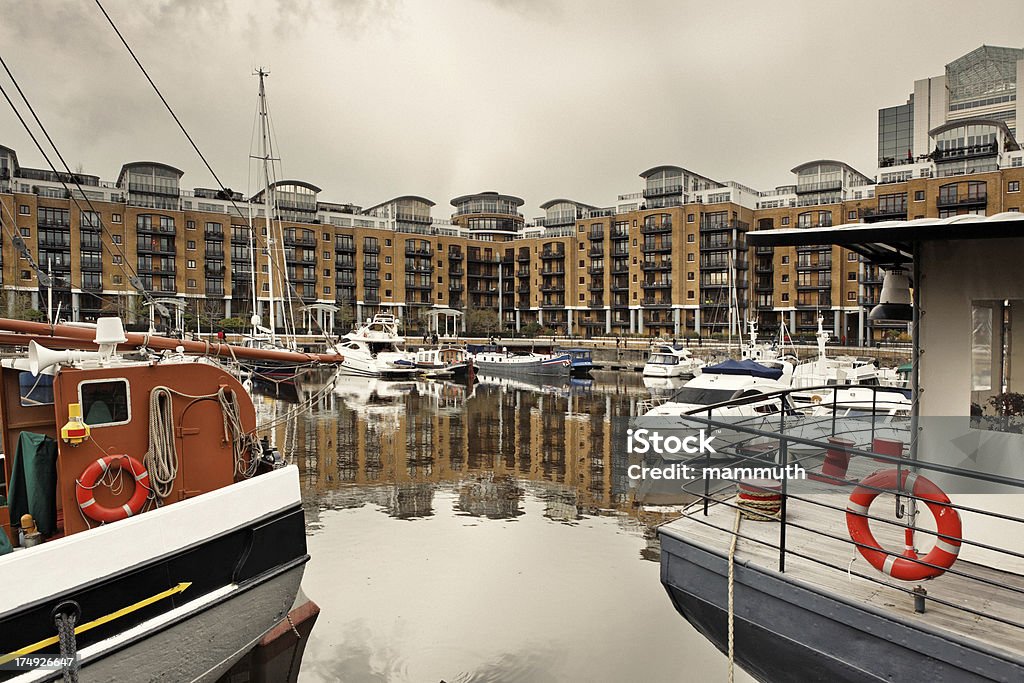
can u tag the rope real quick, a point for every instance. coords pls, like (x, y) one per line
(732, 565)
(161, 459)
(68, 646)
(242, 442)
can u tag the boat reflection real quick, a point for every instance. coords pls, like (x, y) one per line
(394, 445)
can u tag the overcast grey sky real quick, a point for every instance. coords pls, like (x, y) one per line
(540, 99)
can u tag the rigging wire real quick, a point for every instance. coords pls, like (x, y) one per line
(292, 291)
(124, 265)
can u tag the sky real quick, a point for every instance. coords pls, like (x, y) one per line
(541, 99)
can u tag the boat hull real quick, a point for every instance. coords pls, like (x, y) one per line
(534, 368)
(208, 576)
(786, 630)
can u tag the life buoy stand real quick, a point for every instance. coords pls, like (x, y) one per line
(908, 567)
(92, 474)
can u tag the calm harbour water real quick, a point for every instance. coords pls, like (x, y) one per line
(483, 534)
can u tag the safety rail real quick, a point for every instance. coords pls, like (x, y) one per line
(762, 427)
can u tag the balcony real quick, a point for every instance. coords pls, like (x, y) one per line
(551, 287)
(299, 241)
(214, 234)
(455, 271)
(596, 234)
(345, 247)
(456, 287)
(764, 268)
(596, 251)
(619, 234)
(523, 289)
(59, 224)
(662, 191)
(722, 226)
(371, 298)
(523, 258)
(820, 265)
(420, 268)
(371, 282)
(92, 285)
(620, 287)
(418, 285)
(655, 265)
(656, 284)
(596, 286)
(596, 303)
(821, 303)
(92, 266)
(764, 250)
(553, 271)
(765, 286)
(883, 214)
(957, 202)
(148, 188)
(655, 229)
(425, 253)
(154, 247)
(371, 249)
(552, 304)
(620, 267)
(302, 259)
(214, 269)
(155, 229)
(651, 302)
(595, 270)
(663, 248)
(965, 152)
(214, 291)
(550, 254)
(345, 264)
(827, 186)
(344, 282)
(61, 240)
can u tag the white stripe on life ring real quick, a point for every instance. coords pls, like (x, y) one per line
(103, 466)
(856, 508)
(889, 562)
(87, 503)
(127, 510)
(943, 544)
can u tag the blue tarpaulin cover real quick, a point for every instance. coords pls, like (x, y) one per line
(743, 367)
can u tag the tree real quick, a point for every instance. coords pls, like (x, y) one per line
(482, 321)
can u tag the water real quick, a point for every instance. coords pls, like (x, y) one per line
(480, 535)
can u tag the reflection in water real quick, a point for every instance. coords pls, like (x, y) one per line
(479, 534)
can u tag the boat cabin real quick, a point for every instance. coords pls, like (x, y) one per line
(47, 475)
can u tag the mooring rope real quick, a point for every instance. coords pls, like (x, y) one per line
(732, 565)
(161, 459)
(68, 646)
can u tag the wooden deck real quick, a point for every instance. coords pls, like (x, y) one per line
(714, 532)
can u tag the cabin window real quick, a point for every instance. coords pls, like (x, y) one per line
(997, 366)
(35, 390)
(105, 402)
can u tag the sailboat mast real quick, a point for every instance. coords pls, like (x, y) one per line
(267, 202)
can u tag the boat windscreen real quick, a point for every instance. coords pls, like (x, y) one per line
(662, 359)
(702, 396)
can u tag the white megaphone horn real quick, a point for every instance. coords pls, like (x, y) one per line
(40, 357)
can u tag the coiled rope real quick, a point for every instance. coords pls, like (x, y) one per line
(161, 459)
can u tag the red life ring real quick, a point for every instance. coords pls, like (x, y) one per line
(905, 568)
(91, 475)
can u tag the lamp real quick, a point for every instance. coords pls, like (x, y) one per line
(894, 303)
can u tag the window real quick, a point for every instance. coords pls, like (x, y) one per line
(690, 257)
(851, 276)
(190, 264)
(25, 232)
(387, 260)
(191, 245)
(387, 243)
(581, 245)
(115, 218)
(105, 402)
(24, 210)
(690, 238)
(327, 237)
(851, 256)
(1013, 186)
(116, 239)
(387, 292)
(190, 225)
(689, 294)
(327, 290)
(327, 256)
(785, 278)
(116, 279)
(919, 196)
(851, 296)
(26, 275)
(191, 284)
(785, 220)
(266, 287)
(387, 277)
(993, 376)
(785, 296)
(851, 215)
(116, 259)
(327, 272)
(785, 260)
(689, 218)
(689, 276)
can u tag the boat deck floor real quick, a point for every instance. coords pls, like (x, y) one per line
(822, 534)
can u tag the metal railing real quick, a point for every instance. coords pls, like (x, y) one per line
(770, 428)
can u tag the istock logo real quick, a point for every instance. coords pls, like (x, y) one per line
(643, 441)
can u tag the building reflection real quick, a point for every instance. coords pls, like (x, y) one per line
(394, 445)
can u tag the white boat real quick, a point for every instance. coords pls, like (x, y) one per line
(376, 349)
(725, 382)
(671, 361)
